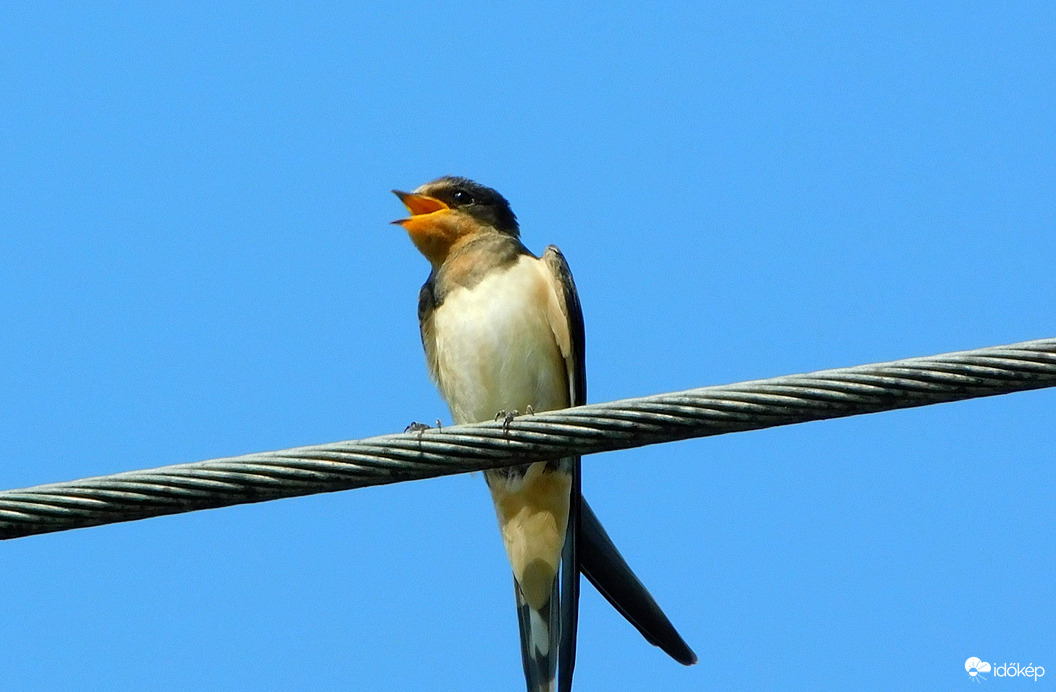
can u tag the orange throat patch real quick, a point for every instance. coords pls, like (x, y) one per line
(434, 234)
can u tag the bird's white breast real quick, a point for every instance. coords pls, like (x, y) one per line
(495, 345)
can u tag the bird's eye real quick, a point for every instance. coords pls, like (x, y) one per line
(462, 197)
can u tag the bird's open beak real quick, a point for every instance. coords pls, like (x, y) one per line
(418, 205)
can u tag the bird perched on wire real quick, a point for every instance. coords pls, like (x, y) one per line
(503, 332)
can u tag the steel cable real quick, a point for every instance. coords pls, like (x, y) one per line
(583, 430)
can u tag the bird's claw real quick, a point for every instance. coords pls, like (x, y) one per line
(507, 417)
(417, 427)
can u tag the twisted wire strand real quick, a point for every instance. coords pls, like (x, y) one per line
(583, 430)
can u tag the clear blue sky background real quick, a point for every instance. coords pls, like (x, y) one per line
(196, 261)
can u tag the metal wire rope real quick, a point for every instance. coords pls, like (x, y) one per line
(583, 430)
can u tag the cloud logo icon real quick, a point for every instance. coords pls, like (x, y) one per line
(975, 667)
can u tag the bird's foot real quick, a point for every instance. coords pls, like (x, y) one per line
(419, 428)
(507, 417)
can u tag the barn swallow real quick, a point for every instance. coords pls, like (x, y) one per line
(503, 332)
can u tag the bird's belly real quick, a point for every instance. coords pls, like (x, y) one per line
(496, 350)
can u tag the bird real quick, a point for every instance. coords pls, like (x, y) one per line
(503, 333)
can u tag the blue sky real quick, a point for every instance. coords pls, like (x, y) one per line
(196, 261)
